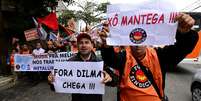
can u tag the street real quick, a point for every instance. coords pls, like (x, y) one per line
(177, 88)
(178, 82)
(26, 91)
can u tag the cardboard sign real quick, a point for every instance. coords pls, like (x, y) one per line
(141, 26)
(79, 77)
(31, 34)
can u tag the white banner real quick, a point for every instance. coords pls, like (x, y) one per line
(79, 77)
(146, 25)
(43, 62)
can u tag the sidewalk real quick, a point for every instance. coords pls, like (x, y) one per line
(6, 82)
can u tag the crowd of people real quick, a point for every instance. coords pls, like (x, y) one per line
(142, 70)
(49, 46)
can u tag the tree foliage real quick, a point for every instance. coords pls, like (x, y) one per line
(90, 11)
(65, 16)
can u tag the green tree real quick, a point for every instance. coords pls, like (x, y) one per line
(65, 16)
(90, 11)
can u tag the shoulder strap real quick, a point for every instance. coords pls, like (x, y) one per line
(149, 75)
(146, 71)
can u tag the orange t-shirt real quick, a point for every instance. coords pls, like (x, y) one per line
(135, 86)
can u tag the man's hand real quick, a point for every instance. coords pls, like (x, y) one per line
(106, 78)
(185, 22)
(50, 78)
(104, 33)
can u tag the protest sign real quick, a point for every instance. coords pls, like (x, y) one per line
(22, 62)
(42, 62)
(145, 25)
(79, 77)
(31, 34)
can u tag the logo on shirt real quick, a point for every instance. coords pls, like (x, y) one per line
(138, 35)
(138, 78)
(17, 67)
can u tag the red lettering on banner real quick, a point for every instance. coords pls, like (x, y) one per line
(172, 17)
(124, 21)
(154, 18)
(136, 20)
(142, 22)
(130, 20)
(149, 18)
(109, 21)
(161, 19)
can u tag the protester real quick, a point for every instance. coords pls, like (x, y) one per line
(143, 69)
(14, 51)
(16, 45)
(50, 47)
(86, 53)
(25, 49)
(60, 47)
(39, 50)
(73, 44)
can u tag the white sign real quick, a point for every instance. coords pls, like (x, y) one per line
(141, 26)
(42, 62)
(79, 77)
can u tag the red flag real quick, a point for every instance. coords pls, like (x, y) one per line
(66, 30)
(50, 21)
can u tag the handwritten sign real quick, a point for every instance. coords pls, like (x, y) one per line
(31, 34)
(141, 26)
(79, 77)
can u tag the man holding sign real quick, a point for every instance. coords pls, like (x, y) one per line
(85, 53)
(143, 69)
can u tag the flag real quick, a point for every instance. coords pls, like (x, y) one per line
(41, 32)
(35, 22)
(52, 36)
(66, 30)
(50, 21)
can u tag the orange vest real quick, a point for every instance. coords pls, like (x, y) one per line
(12, 59)
(25, 52)
(196, 51)
(134, 84)
(74, 49)
(117, 49)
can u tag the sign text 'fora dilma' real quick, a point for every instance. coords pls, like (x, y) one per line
(79, 77)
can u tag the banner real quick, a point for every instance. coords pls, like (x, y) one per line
(145, 25)
(43, 62)
(23, 62)
(31, 34)
(79, 77)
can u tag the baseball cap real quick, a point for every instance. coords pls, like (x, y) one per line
(83, 35)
